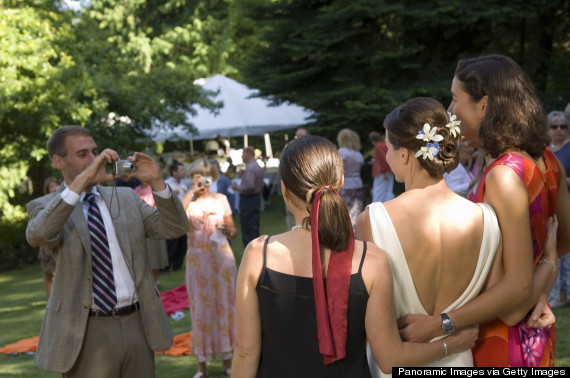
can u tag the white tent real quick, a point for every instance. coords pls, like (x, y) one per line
(241, 115)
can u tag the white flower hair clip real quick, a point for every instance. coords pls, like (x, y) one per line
(429, 151)
(453, 125)
(429, 134)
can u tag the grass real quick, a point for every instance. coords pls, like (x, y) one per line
(23, 301)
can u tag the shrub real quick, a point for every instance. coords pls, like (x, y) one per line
(14, 249)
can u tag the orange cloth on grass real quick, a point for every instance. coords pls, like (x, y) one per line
(22, 346)
(180, 346)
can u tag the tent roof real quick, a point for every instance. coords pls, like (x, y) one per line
(241, 114)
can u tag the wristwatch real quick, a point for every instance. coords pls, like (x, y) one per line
(447, 324)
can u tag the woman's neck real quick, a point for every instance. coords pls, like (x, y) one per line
(556, 145)
(420, 179)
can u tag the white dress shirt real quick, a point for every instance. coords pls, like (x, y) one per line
(124, 284)
(176, 186)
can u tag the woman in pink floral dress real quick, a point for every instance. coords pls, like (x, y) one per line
(210, 269)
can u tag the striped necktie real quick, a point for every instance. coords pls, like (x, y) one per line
(102, 265)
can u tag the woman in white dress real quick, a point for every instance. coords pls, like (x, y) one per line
(288, 326)
(440, 246)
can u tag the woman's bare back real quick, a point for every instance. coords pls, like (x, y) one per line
(440, 235)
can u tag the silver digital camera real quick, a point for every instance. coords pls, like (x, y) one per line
(123, 167)
(207, 180)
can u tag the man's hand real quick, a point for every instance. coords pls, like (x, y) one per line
(147, 171)
(95, 173)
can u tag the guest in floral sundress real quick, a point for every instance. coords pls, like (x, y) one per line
(210, 268)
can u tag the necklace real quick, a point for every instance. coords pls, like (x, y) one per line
(300, 226)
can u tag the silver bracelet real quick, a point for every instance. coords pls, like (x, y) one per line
(444, 350)
(549, 262)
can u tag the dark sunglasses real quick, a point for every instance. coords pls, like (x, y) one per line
(554, 127)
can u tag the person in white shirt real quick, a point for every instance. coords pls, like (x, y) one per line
(103, 317)
(177, 173)
(176, 247)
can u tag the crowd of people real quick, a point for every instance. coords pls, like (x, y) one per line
(458, 270)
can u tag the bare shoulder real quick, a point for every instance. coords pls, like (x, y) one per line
(376, 268)
(463, 209)
(375, 256)
(254, 249)
(220, 196)
(252, 260)
(504, 177)
(504, 184)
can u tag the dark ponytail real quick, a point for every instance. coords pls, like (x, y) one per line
(307, 165)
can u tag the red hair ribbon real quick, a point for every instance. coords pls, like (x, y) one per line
(332, 307)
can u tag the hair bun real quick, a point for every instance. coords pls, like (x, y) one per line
(422, 125)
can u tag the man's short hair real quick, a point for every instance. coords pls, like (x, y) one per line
(250, 150)
(174, 166)
(56, 144)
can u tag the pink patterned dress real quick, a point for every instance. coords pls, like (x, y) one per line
(210, 279)
(522, 346)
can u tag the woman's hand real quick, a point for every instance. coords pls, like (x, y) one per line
(198, 188)
(462, 339)
(228, 231)
(417, 328)
(541, 316)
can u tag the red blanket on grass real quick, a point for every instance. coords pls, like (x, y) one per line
(175, 300)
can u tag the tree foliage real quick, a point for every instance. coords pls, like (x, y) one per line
(120, 67)
(115, 67)
(352, 62)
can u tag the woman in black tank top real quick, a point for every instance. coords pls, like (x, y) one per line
(308, 298)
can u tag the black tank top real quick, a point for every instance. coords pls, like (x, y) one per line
(290, 347)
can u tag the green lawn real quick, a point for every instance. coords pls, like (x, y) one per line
(23, 301)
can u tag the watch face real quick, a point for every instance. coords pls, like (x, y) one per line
(448, 326)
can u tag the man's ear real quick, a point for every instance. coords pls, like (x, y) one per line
(57, 161)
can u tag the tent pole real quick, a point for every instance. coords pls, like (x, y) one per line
(245, 144)
(268, 151)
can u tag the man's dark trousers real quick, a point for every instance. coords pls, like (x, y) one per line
(249, 217)
(176, 252)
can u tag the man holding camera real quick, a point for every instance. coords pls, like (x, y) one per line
(104, 317)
